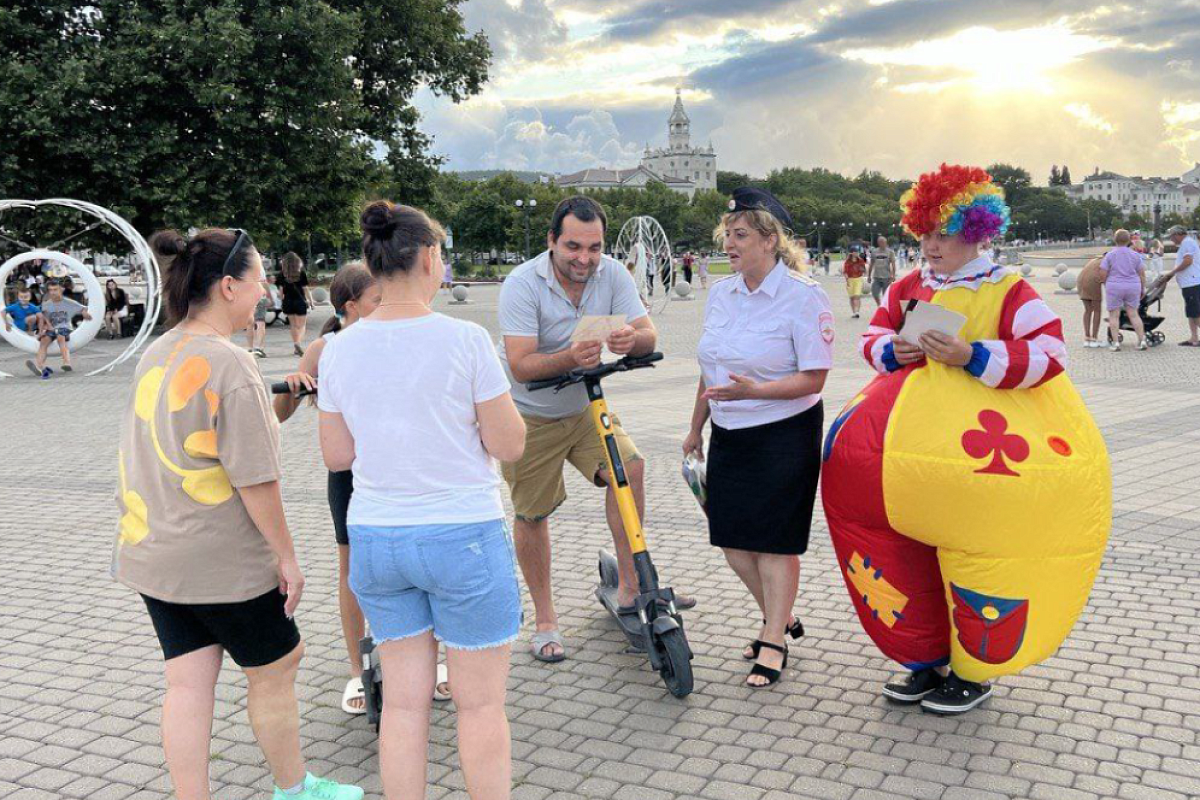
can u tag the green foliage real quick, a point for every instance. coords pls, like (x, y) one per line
(1015, 181)
(263, 115)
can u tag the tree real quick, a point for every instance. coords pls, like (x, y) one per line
(1064, 177)
(1055, 177)
(1015, 181)
(728, 181)
(264, 115)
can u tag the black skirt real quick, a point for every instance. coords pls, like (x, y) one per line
(762, 483)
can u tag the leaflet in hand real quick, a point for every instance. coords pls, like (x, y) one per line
(930, 317)
(597, 328)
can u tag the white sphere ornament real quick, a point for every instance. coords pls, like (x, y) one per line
(459, 293)
(142, 258)
(683, 290)
(1026, 270)
(1067, 281)
(67, 265)
(1060, 268)
(320, 295)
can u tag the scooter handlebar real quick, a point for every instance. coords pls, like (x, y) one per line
(283, 388)
(579, 375)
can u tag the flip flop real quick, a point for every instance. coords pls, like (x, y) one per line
(354, 690)
(542, 638)
(1186, 343)
(443, 679)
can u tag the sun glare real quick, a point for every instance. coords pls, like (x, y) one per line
(989, 60)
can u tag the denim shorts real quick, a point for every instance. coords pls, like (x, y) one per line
(457, 580)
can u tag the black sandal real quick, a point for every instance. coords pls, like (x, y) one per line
(795, 630)
(772, 675)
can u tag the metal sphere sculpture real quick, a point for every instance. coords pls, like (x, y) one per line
(82, 335)
(643, 244)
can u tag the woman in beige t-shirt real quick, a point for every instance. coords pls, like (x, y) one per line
(202, 535)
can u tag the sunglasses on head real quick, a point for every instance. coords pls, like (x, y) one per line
(243, 239)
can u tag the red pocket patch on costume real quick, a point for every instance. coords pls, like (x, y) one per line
(990, 628)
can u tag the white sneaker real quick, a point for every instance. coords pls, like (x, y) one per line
(1116, 348)
(1141, 346)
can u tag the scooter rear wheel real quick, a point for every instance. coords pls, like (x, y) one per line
(676, 658)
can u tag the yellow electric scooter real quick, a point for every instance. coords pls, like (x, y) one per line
(654, 625)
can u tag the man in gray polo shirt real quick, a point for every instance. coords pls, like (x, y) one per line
(540, 304)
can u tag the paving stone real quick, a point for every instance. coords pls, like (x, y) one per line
(1112, 715)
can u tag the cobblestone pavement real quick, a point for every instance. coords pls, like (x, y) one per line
(1115, 714)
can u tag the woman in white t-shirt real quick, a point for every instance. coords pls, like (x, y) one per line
(417, 405)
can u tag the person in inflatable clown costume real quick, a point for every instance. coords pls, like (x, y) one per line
(967, 487)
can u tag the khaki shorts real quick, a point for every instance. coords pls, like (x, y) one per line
(536, 481)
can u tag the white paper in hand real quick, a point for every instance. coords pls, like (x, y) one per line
(930, 317)
(597, 328)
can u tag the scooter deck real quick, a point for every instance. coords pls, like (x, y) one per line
(631, 626)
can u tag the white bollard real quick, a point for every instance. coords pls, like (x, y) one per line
(459, 293)
(1067, 281)
(683, 291)
(1026, 270)
(1060, 268)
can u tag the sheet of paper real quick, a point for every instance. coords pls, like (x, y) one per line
(597, 328)
(930, 317)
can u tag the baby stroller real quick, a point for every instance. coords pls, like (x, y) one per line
(1152, 297)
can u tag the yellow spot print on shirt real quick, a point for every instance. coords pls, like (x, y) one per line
(134, 524)
(146, 397)
(135, 521)
(208, 486)
(188, 379)
(201, 444)
(214, 402)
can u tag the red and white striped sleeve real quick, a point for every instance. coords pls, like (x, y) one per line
(876, 343)
(1030, 350)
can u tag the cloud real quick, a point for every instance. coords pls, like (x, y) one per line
(526, 31)
(487, 134)
(851, 84)
(1089, 118)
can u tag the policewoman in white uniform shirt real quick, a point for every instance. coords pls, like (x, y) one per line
(764, 354)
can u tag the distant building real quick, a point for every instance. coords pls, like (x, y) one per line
(679, 166)
(1139, 195)
(679, 159)
(635, 178)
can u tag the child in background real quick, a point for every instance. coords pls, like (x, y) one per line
(23, 312)
(55, 326)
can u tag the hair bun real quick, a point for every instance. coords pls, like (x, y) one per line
(168, 244)
(377, 220)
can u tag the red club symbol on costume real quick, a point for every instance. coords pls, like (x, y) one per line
(996, 441)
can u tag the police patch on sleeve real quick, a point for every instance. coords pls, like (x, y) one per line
(825, 324)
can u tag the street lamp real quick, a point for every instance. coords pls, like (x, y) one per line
(526, 206)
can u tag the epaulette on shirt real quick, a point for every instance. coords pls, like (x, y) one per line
(802, 278)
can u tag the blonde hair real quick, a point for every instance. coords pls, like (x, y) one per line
(787, 249)
(1122, 237)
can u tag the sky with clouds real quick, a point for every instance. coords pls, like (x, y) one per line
(890, 85)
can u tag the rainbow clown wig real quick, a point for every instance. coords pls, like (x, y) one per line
(955, 200)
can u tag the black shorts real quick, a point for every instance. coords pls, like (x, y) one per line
(254, 632)
(1191, 301)
(340, 487)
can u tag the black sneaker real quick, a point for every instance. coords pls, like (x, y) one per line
(915, 687)
(956, 696)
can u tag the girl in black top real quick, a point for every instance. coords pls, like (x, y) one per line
(115, 301)
(293, 283)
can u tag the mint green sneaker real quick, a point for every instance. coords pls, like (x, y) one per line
(321, 789)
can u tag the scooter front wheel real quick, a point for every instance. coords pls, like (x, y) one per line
(676, 657)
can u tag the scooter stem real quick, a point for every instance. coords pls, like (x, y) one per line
(616, 468)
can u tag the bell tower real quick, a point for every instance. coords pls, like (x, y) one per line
(679, 126)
